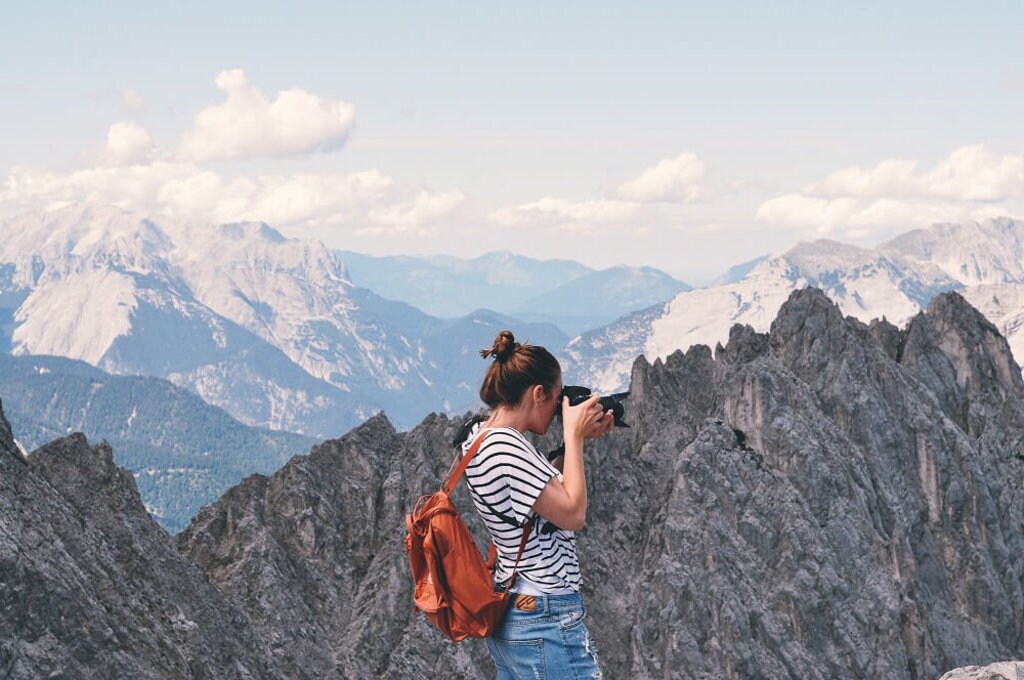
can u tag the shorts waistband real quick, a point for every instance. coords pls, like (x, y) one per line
(545, 604)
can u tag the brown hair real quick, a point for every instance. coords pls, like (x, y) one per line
(516, 368)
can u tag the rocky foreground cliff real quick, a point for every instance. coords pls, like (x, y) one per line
(827, 500)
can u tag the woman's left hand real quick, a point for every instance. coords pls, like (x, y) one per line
(600, 426)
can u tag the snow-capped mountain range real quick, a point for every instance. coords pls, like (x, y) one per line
(983, 261)
(268, 328)
(274, 331)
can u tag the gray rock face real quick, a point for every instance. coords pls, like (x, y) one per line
(810, 507)
(315, 553)
(92, 587)
(826, 500)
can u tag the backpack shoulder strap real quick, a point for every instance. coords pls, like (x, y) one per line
(455, 476)
(522, 546)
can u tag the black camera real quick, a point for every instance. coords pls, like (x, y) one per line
(611, 402)
(577, 395)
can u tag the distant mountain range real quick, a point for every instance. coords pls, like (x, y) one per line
(270, 329)
(567, 294)
(183, 452)
(984, 261)
(279, 334)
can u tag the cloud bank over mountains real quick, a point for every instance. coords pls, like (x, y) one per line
(216, 170)
(972, 182)
(135, 171)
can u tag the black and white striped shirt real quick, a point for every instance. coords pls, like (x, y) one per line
(505, 478)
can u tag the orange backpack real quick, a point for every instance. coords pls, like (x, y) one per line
(452, 584)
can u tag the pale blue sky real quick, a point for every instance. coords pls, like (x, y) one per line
(537, 127)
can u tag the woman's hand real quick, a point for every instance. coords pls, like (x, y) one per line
(564, 503)
(601, 426)
(586, 420)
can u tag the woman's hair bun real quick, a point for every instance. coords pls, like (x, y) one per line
(504, 345)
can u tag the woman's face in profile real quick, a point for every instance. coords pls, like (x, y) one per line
(549, 406)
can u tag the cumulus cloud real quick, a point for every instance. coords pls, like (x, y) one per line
(977, 173)
(971, 183)
(417, 212)
(128, 143)
(653, 200)
(249, 125)
(679, 179)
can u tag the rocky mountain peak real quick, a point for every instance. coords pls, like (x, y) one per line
(241, 231)
(809, 330)
(814, 258)
(980, 353)
(745, 344)
(93, 587)
(954, 347)
(984, 252)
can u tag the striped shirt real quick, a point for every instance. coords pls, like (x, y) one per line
(505, 478)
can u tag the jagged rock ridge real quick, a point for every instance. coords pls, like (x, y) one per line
(91, 587)
(826, 500)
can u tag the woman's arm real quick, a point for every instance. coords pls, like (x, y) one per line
(564, 503)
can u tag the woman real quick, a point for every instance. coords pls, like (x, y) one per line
(543, 633)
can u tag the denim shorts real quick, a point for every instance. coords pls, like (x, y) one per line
(549, 642)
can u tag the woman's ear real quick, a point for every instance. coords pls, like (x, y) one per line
(538, 392)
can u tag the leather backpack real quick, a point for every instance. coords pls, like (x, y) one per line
(453, 585)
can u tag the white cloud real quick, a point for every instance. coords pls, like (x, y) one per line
(977, 173)
(417, 212)
(568, 215)
(653, 201)
(679, 179)
(345, 202)
(887, 178)
(128, 143)
(973, 182)
(248, 125)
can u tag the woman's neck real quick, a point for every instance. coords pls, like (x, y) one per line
(503, 416)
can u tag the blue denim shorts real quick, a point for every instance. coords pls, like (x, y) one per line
(549, 641)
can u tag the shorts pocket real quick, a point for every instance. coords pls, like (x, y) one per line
(519, 658)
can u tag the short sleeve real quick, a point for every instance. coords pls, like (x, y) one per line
(527, 474)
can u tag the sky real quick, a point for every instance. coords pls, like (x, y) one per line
(686, 136)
